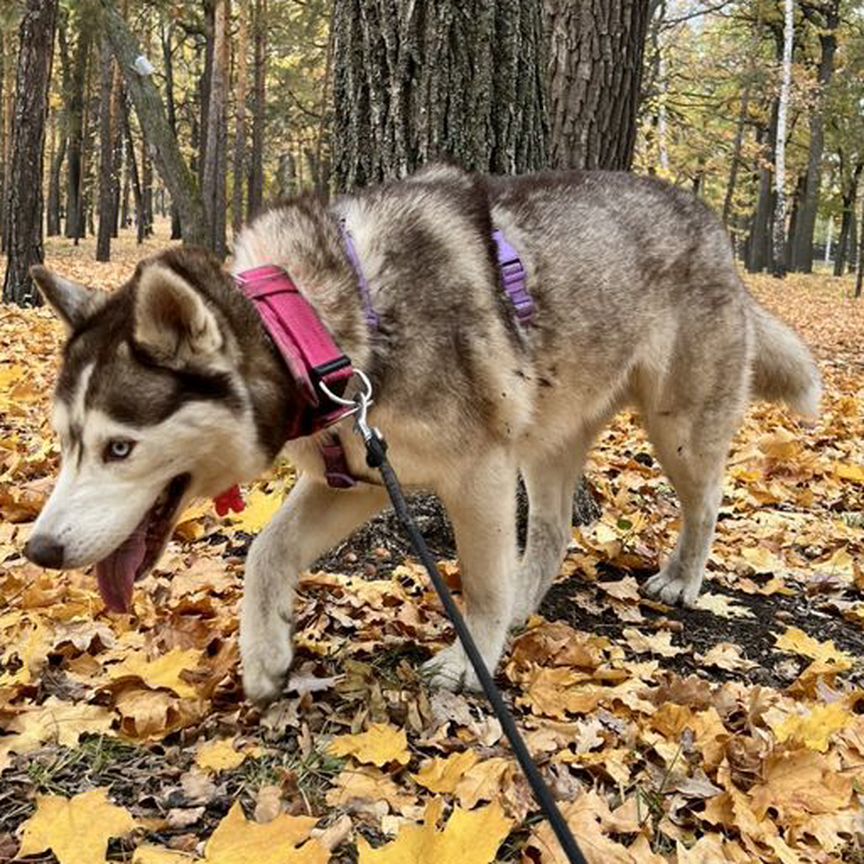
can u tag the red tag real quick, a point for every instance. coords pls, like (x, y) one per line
(230, 500)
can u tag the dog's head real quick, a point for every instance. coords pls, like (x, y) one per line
(151, 410)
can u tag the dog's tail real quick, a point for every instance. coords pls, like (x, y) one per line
(783, 367)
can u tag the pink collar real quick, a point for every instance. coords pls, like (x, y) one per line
(312, 358)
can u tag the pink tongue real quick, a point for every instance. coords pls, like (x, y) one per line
(116, 573)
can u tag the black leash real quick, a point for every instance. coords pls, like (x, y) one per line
(376, 457)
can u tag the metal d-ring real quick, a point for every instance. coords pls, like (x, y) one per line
(359, 405)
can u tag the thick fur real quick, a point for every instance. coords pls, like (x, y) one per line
(638, 302)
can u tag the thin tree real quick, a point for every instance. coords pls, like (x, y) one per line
(239, 166)
(779, 233)
(107, 166)
(215, 153)
(75, 99)
(259, 118)
(151, 115)
(24, 199)
(825, 16)
(595, 75)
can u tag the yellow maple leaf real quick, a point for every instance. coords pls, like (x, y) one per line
(161, 672)
(796, 641)
(260, 508)
(441, 776)
(378, 745)
(721, 606)
(54, 720)
(76, 829)
(469, 837)
(654, 643)
(221, 755)
(236, 840)
(369, 785)
(846, 471)
(815, 728)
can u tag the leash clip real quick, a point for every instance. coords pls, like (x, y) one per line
(359, 405)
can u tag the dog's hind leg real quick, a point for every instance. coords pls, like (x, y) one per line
(550, 479)
(313, 518)
(692, 448)
(481, 503)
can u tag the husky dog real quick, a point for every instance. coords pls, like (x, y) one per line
(171, 388)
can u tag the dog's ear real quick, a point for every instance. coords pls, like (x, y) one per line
(74, 303)
(173, 323)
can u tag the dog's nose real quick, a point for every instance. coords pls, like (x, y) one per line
(44, 551)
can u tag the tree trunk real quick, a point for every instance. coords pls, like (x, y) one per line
(400, 99)
(400, 94)
(239, 167)
(595, 75)
(107, 167)
(827, 19)
(215, 154)
(146, 177)
(151, 116)
(259, 76)
(845, 243)
(5, 88)
(75, 131)
(24, 199)
(779, 232)
(168, 58)
(860, 278)
(759, 239)
(8, 113)
(118, 101)
(134, 178)
(204, 86)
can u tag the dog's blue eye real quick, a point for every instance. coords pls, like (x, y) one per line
(118, 449)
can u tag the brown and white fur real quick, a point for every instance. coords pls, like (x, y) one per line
(637, 303)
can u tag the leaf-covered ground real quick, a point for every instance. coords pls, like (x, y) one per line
(733, 733)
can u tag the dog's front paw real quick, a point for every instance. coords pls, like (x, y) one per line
(265, 663)
(672, 586)
(451, 669)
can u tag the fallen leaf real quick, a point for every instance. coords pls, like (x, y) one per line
(468, 837)
(236, 840)
(75, 829)
(378, 745)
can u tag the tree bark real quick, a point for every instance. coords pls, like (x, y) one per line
(24, 199)
(168, 59)
(826, 17)
(860, 277)
(849, 192)
(75, 130)
(151, 115)
(595, 75)
(8, 112)
(5, 123)
(415, 82)
(107, 167)
(259, 79)
(215, 154)
(238, 170)
(779, 232)
(134, 177)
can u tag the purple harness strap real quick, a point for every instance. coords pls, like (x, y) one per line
(313, 357)
(514, 279)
